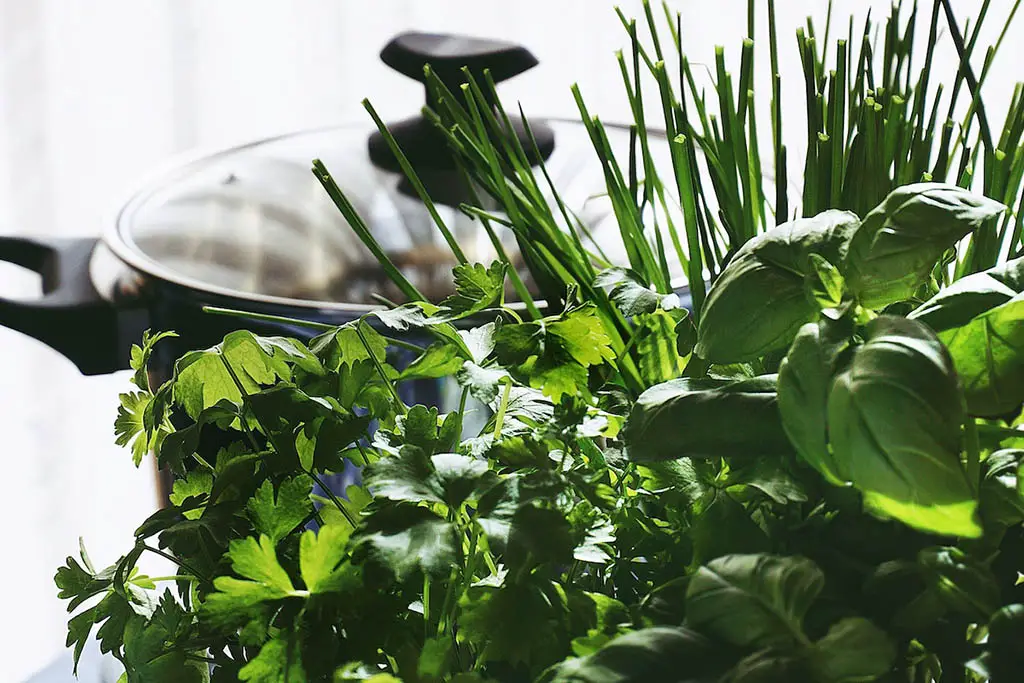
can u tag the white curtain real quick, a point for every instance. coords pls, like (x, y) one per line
(95, 92)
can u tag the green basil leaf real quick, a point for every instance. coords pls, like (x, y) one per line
(760, 300)
(964, 584)
(893, 251)
(754, 600)
(980, 318)
(908, 468)
(854, 649)
(805, 376)
(663, 654)
(1001, 498)
(706, 418)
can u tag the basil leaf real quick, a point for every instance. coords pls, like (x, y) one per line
(893, 251)
(706, 418)
(805, 375)
(963, 584)
(907, 468)
(854, 649)
(754, 600)
(663, 654)
(761, 298)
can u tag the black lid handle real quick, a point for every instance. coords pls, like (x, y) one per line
(447, 55)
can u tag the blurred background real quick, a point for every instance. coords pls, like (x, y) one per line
(94, 94)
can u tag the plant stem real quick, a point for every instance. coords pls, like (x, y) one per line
(973, 453)
(499, 420)
(380, 369)
(181, 563)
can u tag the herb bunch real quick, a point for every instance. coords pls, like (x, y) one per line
(812, 473)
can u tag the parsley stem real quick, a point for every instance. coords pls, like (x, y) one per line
(334, 499)
(380, 369)
(245, 401)
(175, 560)
(500, 419)
(426, 607)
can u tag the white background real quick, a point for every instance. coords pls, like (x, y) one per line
(92, 94)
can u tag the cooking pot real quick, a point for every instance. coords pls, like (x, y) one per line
(251, 228)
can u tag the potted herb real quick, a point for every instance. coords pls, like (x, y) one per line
(809, 473)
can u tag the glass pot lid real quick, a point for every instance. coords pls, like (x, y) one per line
(254, 222)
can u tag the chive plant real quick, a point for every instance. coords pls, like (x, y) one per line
(877, 118)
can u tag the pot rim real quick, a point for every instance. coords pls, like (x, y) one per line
(113, 239)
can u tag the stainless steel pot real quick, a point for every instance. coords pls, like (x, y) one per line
(251, 228)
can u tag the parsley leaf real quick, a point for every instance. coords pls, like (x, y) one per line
(343, 347)
(319, 556)
(265, 580)
(129, 427)
(278, 516)
(279, 661)
(407, 538)
(476, 288)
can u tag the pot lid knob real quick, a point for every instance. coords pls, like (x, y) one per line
(447, 55)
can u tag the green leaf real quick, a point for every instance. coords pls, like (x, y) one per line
(908, 469)
(760, 300)
(805, 377)
(963, 583)
(893, 251)
(753, 600)
(1001, 497)
(129, 427)
(476, 288)
(411, 476)
(631, 295)
(581, 334)
(854, 649)
(440, 359)
(202, 378)
(769, 666)
(406, 539)
(772, 478)
(276, 517)
(479, 341)
(196, 483)
(140, 356)
(79, 582)
(657, 347)
(279, 661)
(724, 527)
(150, 651)
(706, 418)
(663, 654)
(320, 554)
(266, 580)
(553, 355)
(483, 383)
(980, 319)
(826, 284)
(516, 623)
(342, 347)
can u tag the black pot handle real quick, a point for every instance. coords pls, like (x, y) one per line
(71, 317)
